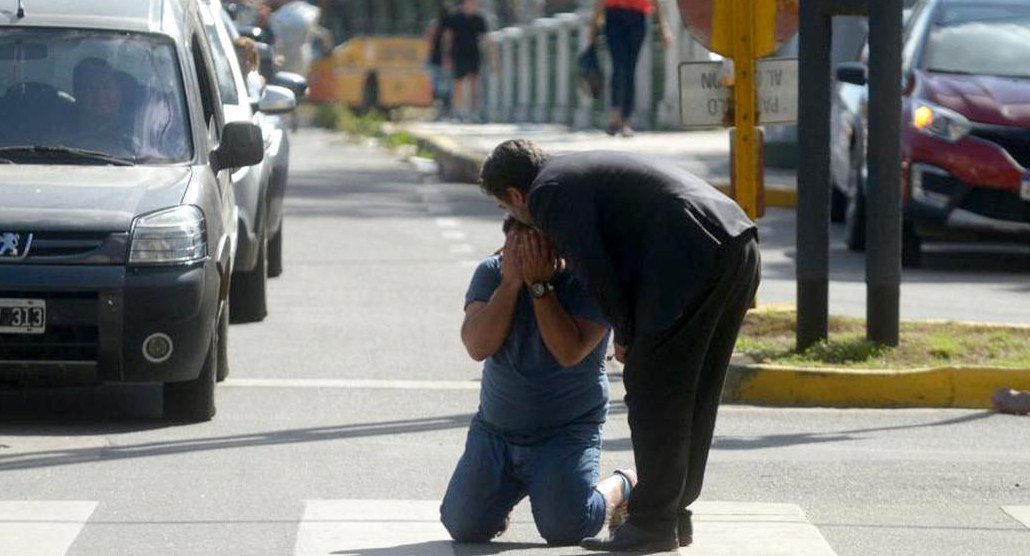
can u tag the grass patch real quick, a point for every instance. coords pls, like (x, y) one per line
(768, 337)
(358, 127)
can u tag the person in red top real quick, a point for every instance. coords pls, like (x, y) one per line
(625, 28)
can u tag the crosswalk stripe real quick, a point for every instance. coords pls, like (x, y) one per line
(1019, 513)
(342, 527)
(404, 527)
(39, 528)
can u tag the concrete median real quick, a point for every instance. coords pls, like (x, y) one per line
(460, 156)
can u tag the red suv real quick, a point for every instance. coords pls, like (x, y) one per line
(965, 123)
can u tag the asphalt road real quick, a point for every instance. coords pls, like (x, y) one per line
(346, 411)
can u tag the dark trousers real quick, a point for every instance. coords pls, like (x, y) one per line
(624, 30)
(674, 382)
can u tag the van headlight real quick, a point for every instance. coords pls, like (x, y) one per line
(940, 122)
(167, 237)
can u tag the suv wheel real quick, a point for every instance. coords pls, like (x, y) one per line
(854, 216)
(193, 401)
(223, 345)
(911, 246)
(247, 293)
(838, 203)
(275, 254)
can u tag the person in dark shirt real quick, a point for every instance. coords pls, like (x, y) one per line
(543, 400)
(674, 265)
(441, 77)
(463, 34)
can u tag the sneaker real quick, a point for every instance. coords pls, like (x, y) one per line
(620, 514)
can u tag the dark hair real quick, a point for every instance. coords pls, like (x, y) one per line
(513, 163)
(510, 223)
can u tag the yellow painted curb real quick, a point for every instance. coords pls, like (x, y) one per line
(955, 387)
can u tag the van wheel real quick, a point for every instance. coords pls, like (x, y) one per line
(275, 254)
(193, 401)
(223, 345)
(247, 292)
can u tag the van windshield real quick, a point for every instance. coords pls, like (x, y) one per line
(119, 94)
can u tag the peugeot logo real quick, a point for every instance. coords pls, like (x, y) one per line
(14, 245)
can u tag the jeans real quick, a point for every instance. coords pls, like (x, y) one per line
(557, 472)
(624, 31)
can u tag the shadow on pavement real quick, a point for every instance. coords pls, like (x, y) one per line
(444, 548)
(795, 439)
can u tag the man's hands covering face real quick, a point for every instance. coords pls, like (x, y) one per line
(511, 269)
(536, 257)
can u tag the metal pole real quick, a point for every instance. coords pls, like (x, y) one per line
(813, 210)
(883, 217)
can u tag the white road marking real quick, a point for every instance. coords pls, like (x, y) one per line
(355, 384)
(343, 527)
(439, 208)
(461, 249)
(1019, 513)
(758, 529)
(41, 528)
(404, 527)
(453, 235)
(469, 264)
(447, 222)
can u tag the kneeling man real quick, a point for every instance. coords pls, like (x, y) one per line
(543, 401)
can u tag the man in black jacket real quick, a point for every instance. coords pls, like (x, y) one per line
(674, 265)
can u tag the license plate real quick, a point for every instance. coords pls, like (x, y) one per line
(1024, 191)
(22, 316)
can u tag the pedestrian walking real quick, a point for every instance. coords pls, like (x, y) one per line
(442, 81)
(625, 29)
(463, 38)
(543, 400)
(674, 265)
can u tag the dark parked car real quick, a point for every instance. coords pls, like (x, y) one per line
(118, 219)
(965, 126)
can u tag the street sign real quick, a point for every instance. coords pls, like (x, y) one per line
(712, 23)
(706, 103)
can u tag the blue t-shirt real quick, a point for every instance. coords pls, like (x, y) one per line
(525, 391)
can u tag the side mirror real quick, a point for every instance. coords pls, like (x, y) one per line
(242, 145)
(277, 100)
(855, 73)
(292, 81)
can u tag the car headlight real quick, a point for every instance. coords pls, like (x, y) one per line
(940, 122)
(172, 236)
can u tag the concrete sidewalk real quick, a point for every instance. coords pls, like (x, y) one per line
(461, 148)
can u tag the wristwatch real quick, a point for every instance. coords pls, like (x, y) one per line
(540, 289)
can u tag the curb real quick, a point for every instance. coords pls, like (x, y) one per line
(457, 165)
(939, 387)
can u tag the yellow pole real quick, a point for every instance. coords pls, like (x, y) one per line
(745, 189)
